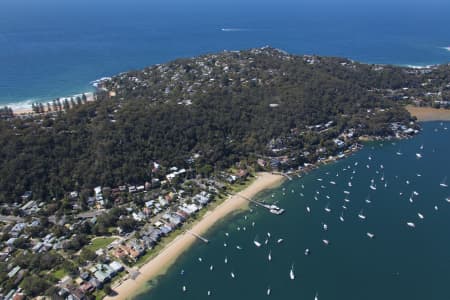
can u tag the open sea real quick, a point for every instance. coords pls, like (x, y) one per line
(53, 48)
(399, 262)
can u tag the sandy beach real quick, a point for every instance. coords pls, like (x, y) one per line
(429, 114)
(27, 110)
(169, 254)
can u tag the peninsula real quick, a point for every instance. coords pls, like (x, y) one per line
(92, 191)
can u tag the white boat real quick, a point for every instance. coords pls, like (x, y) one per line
(349, 184)
(238, 247)
(346, 192)
(183, 288)
(226, 260)
(257, 244)
(421, 147)
(407, 181)
(291, 273)
(209, 293)
(420, 215)
(232, 275)
(279, 241)
(225, 244)
(227, 234)
(444, 182)
(268, 234)
(200, 259)
(447, 199)
(326, 242)
(373, 186)
(266, 241)
(435, 207)
(333, 182)
(341, 217)
(307, 252)
(418, 155)
(325, 226)
(319, 179)
(211, 267)
(268, 291)
(327, 209)
(415, 193)
(308, 209)
(316, 297)
(361, 215)
(370, 235)
(411, 224)
(269, 257)
(399, 153)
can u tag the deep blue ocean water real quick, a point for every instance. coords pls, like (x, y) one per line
(52, 48)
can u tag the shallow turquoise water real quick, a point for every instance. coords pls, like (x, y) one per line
(399, 263)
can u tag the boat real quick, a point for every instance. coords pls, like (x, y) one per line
(268, 291)
(257, 244)
(370, 235)
(447, 199)
(361, 215)
(268, 234)
(325, 226)
(275, 209)
(346, 192)
(319, 179)
(226, 260)
(269, 257)
(326, 242)
(316, 297)
(232, 275)
(349, 184)
(211, 267)
(183, 288)
(225, 244)
(415, 193)
(418, 155)
(435, 207)
(291, 272)
(308, 209)
(411, 224)
(327, 209)
(444, 182)
(209, 293)
(346, 200)
(238, 247)
(373, 186)
(307, 251)
(279, 241)
(333, 182)
(200, 259)
(420, 215)
(421, 147)
(341, 217)
(399, 153)
(266, 241)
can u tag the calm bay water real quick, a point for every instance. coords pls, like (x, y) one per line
(52, 48)
(399, 263)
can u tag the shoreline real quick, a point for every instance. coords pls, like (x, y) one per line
(158, 265)
(26, 109)
(428, 114)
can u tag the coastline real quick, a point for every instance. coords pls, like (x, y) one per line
(159, 264)
(427, 114)
(26, 109)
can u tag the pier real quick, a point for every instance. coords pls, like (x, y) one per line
(198, 236)
(283, 174)
(270, 207)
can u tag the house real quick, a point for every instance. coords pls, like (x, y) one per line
(116, 266)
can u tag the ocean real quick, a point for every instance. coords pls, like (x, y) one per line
(51, 48)
(399, 262)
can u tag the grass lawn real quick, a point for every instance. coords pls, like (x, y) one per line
(59, 274)
(100, 243)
